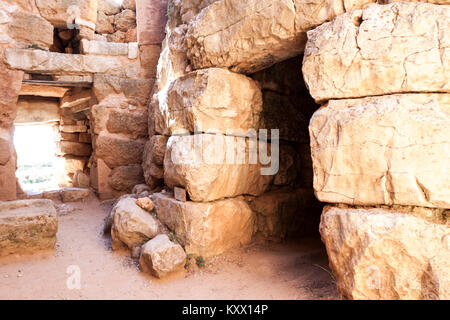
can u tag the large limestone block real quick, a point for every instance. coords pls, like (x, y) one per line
(27, 226)
(248, 36)
(8, 180)
(118, 151)
(131, 225)
(210, 100)
(60, 63)
(126, 177)
(62, 13)
(400, 47)
(36, 109)
(10, 84)
(212, 167)
(383, 150)
(206, 229)
(23, 26)
(161, 257)
(380, 253)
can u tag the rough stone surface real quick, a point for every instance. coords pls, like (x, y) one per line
(204, 168)
(60, 13)
(219, 34)
(118, 151)
(74, 194)
(400, 47)
(383, 150)
(161, 257)
(206, 229)
(145, 203)
(380, 253)
(126, 177)
(22, 25)
(132, 123)
(210, 100)
(125, 20)
(131, 225)
(74, 148)
(27, 226)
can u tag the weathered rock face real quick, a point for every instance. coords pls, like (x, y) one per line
(118, 151)
(74, 194)
(161, 257)
(400, 47)
(153, 160)
(383, 150)
(219, 34)
(126, 177)
(60, 13)
(380, 253)
(131, 225)
(27, 226)
(22, 23)
(203, 165)
(206, 229)
(212, 100)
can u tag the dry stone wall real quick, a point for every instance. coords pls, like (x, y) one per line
(380, 148)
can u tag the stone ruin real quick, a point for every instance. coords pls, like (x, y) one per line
(144, 94)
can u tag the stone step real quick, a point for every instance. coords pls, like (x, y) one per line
(27, 226)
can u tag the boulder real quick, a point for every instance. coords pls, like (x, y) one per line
(212, 167)
(219, 34)
(109, 7)
(118, 151)
(383, 150)
(103, 25)
(126, 177)
(129, 4)
(161, 257)
(210, 100)
(131, 225)
(27, 226)
(206, 229)
(74, 194)
(125, 20)
(140, 188)
(133, 123)
(75, 148)
(145, 203)
(384, 49)
(81, 180)
(396, 253)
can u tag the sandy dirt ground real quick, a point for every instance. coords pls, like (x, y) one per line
(290, 270)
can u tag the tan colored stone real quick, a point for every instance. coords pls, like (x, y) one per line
(204, 168)
(103, 25)
(133, 123)
(383, 150)
(131, 36)
(380, 253)
(74, 148)
(35, 109)
(219, 35)
(10, 83)
(99, 174)
(5, 146)
(161, 257)
(125, 20)
(145, 203)
(52, 62)
(81, 180)
(109, 7)
(129, 4)
(384, 49)
(212, 100)
(27, 226)
(23, 26)
(179, 194)
(31, 89)
(155, 149)
(118, 151)
(151, 19)
(131, 225)
(206, 229)
(93, 47)
(126, 177)
(60, 13)
(189, 9)
(8, 180)
(84, 137)
(74, 194)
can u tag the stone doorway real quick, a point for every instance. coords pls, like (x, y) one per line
(52, 136)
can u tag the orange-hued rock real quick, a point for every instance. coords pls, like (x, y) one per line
(380, 253)
(383, 150)
(206, 229)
